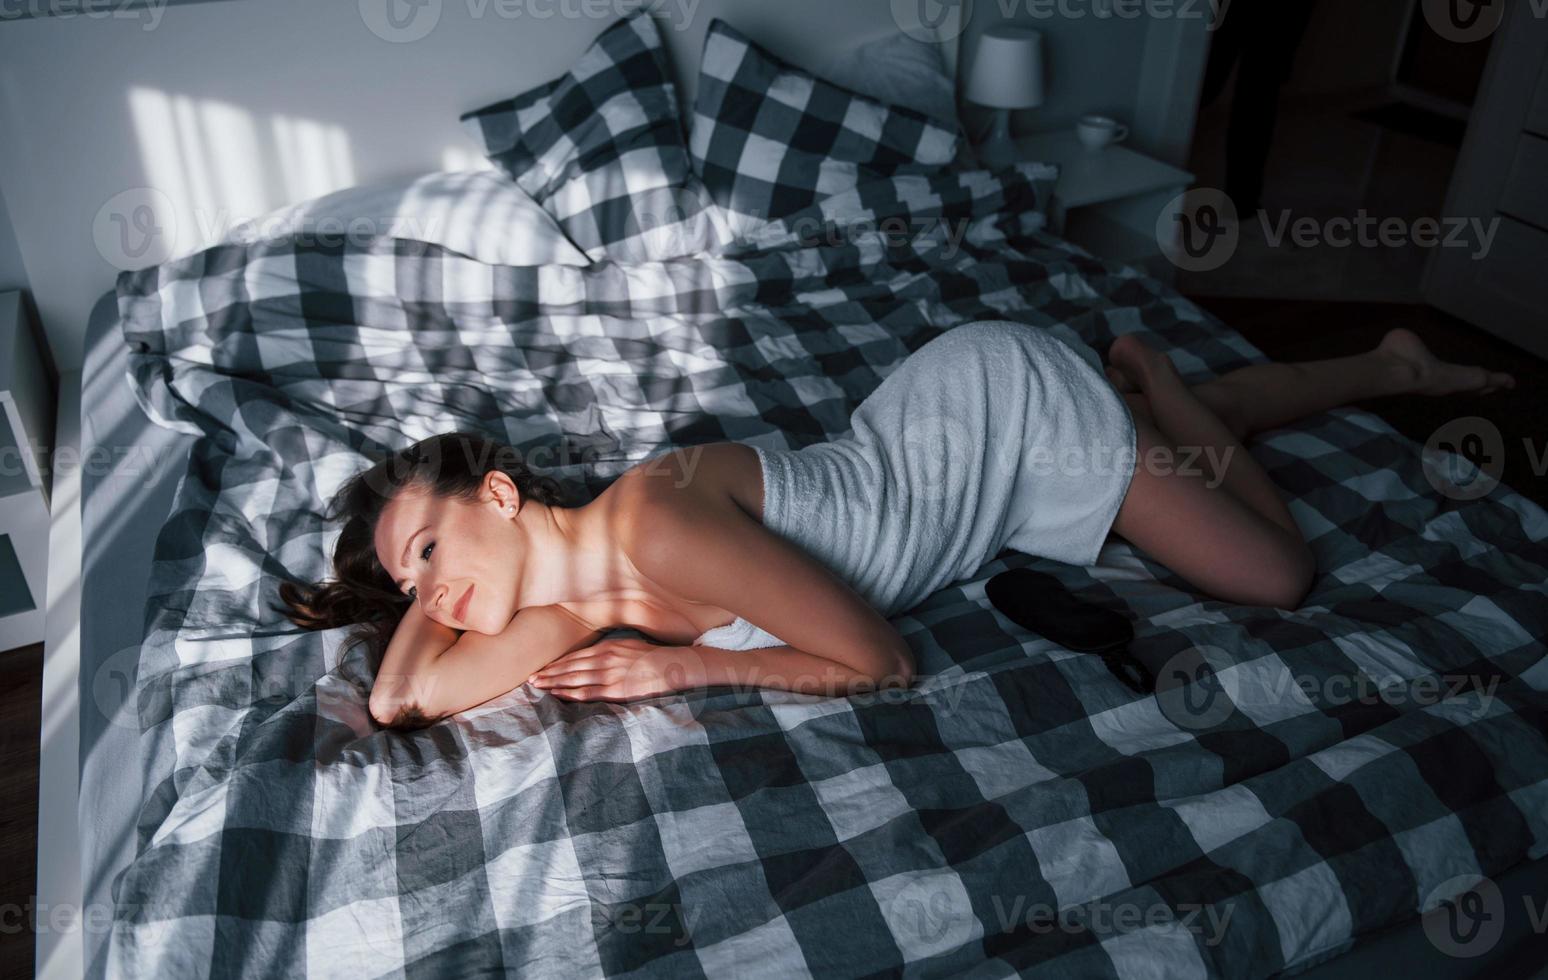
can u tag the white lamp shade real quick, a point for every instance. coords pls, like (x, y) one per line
(1007, 69)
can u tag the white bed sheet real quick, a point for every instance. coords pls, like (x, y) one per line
(130, 468)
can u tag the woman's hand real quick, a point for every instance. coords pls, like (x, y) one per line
(619, 669)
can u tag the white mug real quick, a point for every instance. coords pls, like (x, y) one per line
(1095, 132)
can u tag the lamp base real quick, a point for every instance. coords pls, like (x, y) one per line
(997, 151)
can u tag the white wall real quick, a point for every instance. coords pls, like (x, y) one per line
(13, 275)
(224, 111)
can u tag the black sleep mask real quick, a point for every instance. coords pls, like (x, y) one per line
(1039, 602)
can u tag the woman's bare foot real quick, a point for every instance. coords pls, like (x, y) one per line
(1426, 374)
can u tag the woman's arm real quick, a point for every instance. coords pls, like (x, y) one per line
(432, 678)
(415, 645)
(625, 669)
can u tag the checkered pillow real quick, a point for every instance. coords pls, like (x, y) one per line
(601, 149)
(770, 138)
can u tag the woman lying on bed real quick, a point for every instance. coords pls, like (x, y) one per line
(469, 575)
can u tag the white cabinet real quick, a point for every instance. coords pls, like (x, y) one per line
(1500, 178)
(27, 404)
(1109, 201)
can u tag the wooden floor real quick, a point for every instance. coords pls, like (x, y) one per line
(1286, 331)
(21, 701)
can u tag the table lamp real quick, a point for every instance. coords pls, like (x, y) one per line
(1007, 73)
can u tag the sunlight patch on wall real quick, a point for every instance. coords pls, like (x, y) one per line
(455, 158)
(211, 165)
(314, 157)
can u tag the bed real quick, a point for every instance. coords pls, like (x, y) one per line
(1017, 811)
(121, 524)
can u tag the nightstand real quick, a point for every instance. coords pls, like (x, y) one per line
(27, 407)
(1109, 201)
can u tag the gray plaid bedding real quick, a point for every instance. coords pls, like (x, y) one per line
(1323, 773)
(769, 139)
(601, 149)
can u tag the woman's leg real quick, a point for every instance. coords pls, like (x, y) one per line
(1196, 432)
(1241, 545)
(1211, 538)
(1258, 397)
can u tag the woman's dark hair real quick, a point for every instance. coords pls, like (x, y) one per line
(361, 593)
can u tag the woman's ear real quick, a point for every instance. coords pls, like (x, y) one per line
(501, 490)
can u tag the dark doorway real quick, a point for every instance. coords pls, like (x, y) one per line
(1367, 116)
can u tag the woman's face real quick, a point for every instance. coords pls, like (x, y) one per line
(453, 556)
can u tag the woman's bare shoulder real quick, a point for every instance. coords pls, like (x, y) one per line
(694, 476)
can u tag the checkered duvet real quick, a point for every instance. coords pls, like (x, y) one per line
(1017, 811)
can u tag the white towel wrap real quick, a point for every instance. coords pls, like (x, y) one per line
(993, 435)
